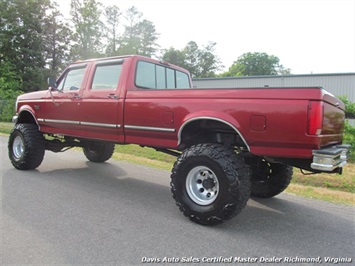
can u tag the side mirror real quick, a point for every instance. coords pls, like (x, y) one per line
(52, 83)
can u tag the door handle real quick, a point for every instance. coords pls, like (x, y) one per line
(112, 96)
(76, 96)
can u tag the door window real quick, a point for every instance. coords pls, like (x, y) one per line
(72, 80)
(106, 77)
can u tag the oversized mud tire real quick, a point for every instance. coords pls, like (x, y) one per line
(98, 152)
(268, 179)
(26, 146)
(210, 183)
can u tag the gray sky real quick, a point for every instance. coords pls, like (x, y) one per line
(307, 35)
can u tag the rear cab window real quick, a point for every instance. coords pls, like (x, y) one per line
(154, 76)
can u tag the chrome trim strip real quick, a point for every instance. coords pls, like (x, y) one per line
(161, 129)
(61, 121)
(78, 123)
(100, 125)
(211, 118)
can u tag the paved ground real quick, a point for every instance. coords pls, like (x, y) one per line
(71, 211)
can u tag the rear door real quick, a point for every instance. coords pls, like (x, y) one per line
(100, 107)
(150, 107)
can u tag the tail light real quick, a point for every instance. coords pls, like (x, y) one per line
(315, 118)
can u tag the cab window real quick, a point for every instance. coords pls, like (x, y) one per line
(182, 81)
(106, 77)
(72, 80)
(145, 76)
(170, 78)
(154, 76)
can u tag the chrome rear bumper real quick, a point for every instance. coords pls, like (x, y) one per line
(328, 159)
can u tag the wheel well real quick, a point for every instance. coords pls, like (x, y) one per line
(26, 117)
(210, 131)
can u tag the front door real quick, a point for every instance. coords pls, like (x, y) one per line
(61, 111)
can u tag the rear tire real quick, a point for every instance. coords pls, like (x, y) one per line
(268, 179)
(26, 146)
(98, 151)
(210, 183)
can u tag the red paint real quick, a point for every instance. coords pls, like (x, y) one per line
(275, 122)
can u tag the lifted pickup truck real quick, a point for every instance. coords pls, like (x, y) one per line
(230, 143)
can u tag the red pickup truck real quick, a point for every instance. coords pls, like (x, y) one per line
(229, 143)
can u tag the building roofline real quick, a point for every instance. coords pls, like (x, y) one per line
(279, 76)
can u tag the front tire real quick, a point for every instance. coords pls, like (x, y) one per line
(268, 179)
(210, 183)
(26, 146)
(98, 151)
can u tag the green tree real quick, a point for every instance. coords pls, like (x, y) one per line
(349, 107)
(174, 56)
(255, 64)
(140, 36)
(192, 55)
(10, 84)
(88, 28)
(201, 63)
(148, 36)
(349, 130)
(21, 39)
(349, 138)
(112, 14)
(209, 63)
(56, 37)
(129, 42)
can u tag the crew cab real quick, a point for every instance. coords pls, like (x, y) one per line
(229, 143)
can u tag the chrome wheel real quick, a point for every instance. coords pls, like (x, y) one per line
(18, 148)
(210, 183)
(26, 146)
(202, 185)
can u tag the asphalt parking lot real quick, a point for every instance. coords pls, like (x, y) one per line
(71, 211)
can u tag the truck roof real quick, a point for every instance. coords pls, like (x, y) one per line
(136, 57)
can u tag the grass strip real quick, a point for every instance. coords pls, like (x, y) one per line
(338, 197)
